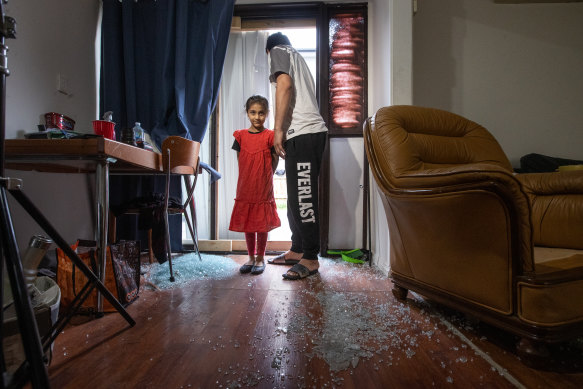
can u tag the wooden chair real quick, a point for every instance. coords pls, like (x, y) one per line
(179, 156)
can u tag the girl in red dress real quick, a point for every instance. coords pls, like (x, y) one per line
(255, 212)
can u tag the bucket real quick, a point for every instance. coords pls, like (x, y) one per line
(104, 128)
(45, 302)
(50, 296)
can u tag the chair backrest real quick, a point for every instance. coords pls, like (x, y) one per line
(412, 138)
(183, 154)
(180, 156)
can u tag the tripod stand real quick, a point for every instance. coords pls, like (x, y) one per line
(33, 368)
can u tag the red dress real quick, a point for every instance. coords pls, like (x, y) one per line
(254, 209)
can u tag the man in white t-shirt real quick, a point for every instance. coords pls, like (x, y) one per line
(300, 138)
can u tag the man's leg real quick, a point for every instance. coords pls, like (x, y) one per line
(296, 236)
(295, 252)
(303, 161)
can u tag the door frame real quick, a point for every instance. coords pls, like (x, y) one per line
(319, 12)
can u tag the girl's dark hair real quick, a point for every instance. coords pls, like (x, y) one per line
(257, 99)
(275, 40)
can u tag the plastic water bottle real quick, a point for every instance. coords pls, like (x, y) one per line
(139, 135)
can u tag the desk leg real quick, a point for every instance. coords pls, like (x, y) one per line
(102, 189)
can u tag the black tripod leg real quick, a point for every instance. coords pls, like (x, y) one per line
(50, 230)
(60, 325)
(26, 319)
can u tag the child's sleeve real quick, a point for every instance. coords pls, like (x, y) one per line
(237, 142)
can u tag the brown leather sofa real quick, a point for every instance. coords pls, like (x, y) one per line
(468, 232)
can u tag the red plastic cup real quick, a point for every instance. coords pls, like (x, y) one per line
(104, 128)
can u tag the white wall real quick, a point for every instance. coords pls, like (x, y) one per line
(517, 69)
(52, 37)
(390, 82)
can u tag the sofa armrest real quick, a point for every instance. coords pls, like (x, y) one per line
(557, 207)
(472, 177)
(567, 182)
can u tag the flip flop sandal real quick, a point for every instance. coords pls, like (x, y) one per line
(301, 270)
(278, 260)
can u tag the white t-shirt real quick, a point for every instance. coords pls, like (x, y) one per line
(303, 116)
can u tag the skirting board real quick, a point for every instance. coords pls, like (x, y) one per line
(215, 245)
(238, 245)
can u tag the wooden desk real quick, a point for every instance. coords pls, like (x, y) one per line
(94, 155)
(79, 156)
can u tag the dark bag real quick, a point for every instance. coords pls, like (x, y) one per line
(538, 163)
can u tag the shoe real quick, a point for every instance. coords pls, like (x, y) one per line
(246, 269)
(257, 269)
(282, 260)
(301, 272)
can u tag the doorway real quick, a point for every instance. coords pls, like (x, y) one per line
(246, 73)
(339, 55)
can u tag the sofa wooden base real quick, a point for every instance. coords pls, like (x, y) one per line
(534, 342)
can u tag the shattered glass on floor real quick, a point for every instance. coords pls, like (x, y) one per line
(189, 267)
(352, 331)
(346, 329)
(343, 318)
